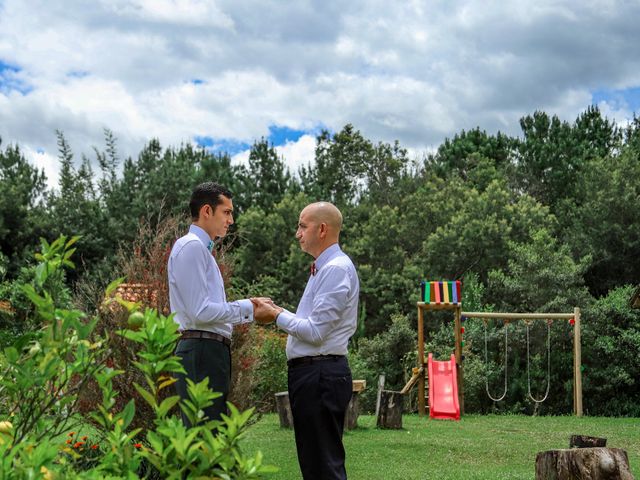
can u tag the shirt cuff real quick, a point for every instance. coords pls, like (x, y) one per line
(285, 320)
(246, 311)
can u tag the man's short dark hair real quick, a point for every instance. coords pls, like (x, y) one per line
(207, 193)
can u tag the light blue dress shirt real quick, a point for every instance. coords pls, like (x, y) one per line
(327, 315)
(196, 288)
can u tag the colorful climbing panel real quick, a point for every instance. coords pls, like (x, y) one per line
(435, 293)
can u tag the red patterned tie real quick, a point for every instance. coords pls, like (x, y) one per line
(313, 268)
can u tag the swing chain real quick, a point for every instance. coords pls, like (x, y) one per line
(535, 400)
(486, 362)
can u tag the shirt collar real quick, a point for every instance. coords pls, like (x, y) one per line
(202, 236)
(327, 255)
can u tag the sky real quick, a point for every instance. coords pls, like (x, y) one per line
(223, 74)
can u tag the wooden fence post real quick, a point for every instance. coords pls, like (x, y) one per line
(284, 410)
(381, 379)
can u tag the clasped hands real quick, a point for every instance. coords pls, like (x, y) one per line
(264, 310)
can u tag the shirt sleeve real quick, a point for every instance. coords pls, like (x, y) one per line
(332, 290)
(191, 283)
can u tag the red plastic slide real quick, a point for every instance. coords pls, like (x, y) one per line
(443, 389)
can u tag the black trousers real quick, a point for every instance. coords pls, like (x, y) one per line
(319, 394)
(205, 358)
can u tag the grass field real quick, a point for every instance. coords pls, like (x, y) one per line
(477, 447)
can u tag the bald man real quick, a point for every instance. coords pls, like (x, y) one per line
(319, 376)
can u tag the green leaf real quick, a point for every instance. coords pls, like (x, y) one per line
(155, 441)
(42, 273)
(128, 413)
(149, 398)
(11, 354)
(166, 405)
(68, 254)
(113, 286)
(130, 306)
(73, 240)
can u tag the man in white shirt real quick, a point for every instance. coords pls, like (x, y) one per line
(320, 382)
(197, 297)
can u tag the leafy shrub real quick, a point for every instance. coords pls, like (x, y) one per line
(259, 367)
(17, 312)
(270, 369)
(610, 352)
(392, 353)
(143, 264)
(42, 374)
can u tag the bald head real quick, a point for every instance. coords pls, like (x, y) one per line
(319, 227)
(325, 212)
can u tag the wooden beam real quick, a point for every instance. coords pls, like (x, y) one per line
(417, 372)
(421, 383)
(438, 306)
(520, 316)
(458, 353)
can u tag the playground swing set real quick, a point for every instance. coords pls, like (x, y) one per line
(445, 378)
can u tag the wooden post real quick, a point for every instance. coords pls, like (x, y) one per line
(381, 379)
(583, 464)
(458, 353)
(577, 361)
(421, 380)
(353, 409)
(390, 415)
(284, 410)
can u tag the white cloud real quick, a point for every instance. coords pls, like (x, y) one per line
(414, 71)
(299, 153)
(241, 158)
(45, 162)
(295, 154)
(617, 110)
(188, 12)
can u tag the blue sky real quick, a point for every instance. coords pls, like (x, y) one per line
(277, 136)
(223, 73)
(628, 99)
(10, 79)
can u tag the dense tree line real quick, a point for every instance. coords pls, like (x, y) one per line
(543, 222)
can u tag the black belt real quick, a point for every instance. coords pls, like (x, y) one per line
(187, 334)
(294, 362)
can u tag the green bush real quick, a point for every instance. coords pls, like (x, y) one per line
(259, 367)
(41, 376)
(271, 370)
(610, 352)
(391, 353)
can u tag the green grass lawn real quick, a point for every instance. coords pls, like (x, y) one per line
(477, 447)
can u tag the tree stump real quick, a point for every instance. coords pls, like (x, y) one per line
(390, 414)
(583, 464)
(353, 409)
(284, 410)
(582, 441)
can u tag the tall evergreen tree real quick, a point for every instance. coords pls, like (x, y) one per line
(267, 179)
(22, 220)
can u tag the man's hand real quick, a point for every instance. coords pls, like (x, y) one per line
(264, 310)
(266, 300)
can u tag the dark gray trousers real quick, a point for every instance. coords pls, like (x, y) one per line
(205, 358)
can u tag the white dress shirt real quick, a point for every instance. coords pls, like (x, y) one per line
(327, 315)
(196, 288)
